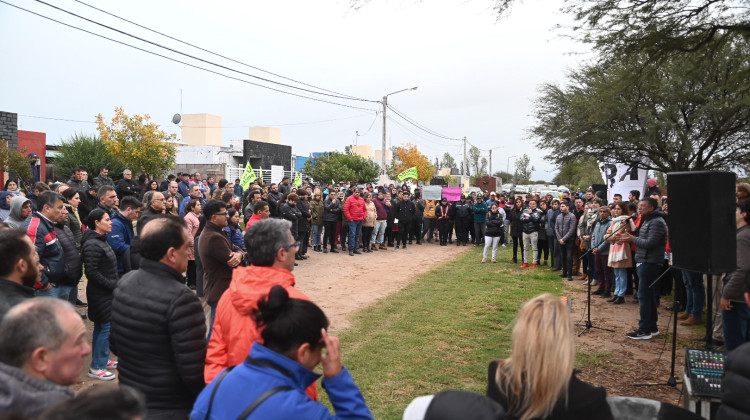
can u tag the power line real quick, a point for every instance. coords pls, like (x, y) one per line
(408, 131)
(203, 126)
(56, 119)
(201, 59)
(208, 51)
(183, 62)
(372, 123)
(420, 126)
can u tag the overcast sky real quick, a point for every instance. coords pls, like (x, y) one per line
(477, 74)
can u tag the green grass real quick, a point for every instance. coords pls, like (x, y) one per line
(441, 331)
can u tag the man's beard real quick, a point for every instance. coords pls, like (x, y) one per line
(31, 276)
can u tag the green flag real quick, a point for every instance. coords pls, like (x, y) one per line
(248, 176)
(409, 173)
(297, 181)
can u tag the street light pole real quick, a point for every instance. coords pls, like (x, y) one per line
(498, 147)
(383, 153)
(507, 167)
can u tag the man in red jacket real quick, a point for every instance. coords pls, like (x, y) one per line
(355, 211)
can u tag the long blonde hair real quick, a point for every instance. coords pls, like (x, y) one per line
(537, 373)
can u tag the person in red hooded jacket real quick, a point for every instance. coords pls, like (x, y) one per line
(355, 211)
(271, 248)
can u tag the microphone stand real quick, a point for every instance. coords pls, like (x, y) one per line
(588, 325)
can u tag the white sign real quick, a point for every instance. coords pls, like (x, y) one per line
(277, 173)
(621, 178)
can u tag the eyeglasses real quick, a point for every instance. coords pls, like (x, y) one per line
(294, 245)
(220, 214)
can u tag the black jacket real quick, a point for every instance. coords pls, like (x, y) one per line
(159, 336)
(463, 210)
(651, 238)
(734, 385)
(584, 401)
(304, 225)
(273, 203)
(405, 211)
(127, 188)
(291, 213)
(73, 266)
(516, 225)
(147, 215)
(332, 209)
(101, 272)
(11, 294)
(494, 224)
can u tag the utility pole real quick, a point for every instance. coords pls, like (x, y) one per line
(382, 174)
(464, 166)
(356, 137)
(498, 147)
(507, 167)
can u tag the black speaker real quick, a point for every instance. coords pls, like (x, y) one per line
(702, 225)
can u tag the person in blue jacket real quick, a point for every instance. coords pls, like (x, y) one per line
(480, 216)
(233, 229)
(122, 233)
(271, 382)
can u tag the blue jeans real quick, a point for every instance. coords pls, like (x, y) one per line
(648, 296)
(355, 230)
(213, 316)
(379, 231)
(736, 325)
(696, 295)
(60, 292)
(100, 345)
(621, 281)
(317, 230)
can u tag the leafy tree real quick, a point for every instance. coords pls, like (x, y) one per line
(89, 152)
(477, 163)
(14, 162)
(506, 177)
(523, 169)
(407, 156)
(692, 112)
(336, 166)
(580, 172)
(138, 143)
(448, 161)
(659, 28)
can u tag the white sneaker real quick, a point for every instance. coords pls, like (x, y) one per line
(503, 245)
(112, 364)
(101, 374)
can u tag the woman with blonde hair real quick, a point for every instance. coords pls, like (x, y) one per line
(537, 381)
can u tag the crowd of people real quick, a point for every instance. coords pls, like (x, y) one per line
(182, 294)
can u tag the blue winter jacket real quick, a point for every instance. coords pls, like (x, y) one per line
(246, 382)
(597, 236)
(235, 235)
(42, 233)
(480, 212)
(120, 237)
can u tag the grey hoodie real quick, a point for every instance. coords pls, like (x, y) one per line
(26, 395)
(14, 217)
